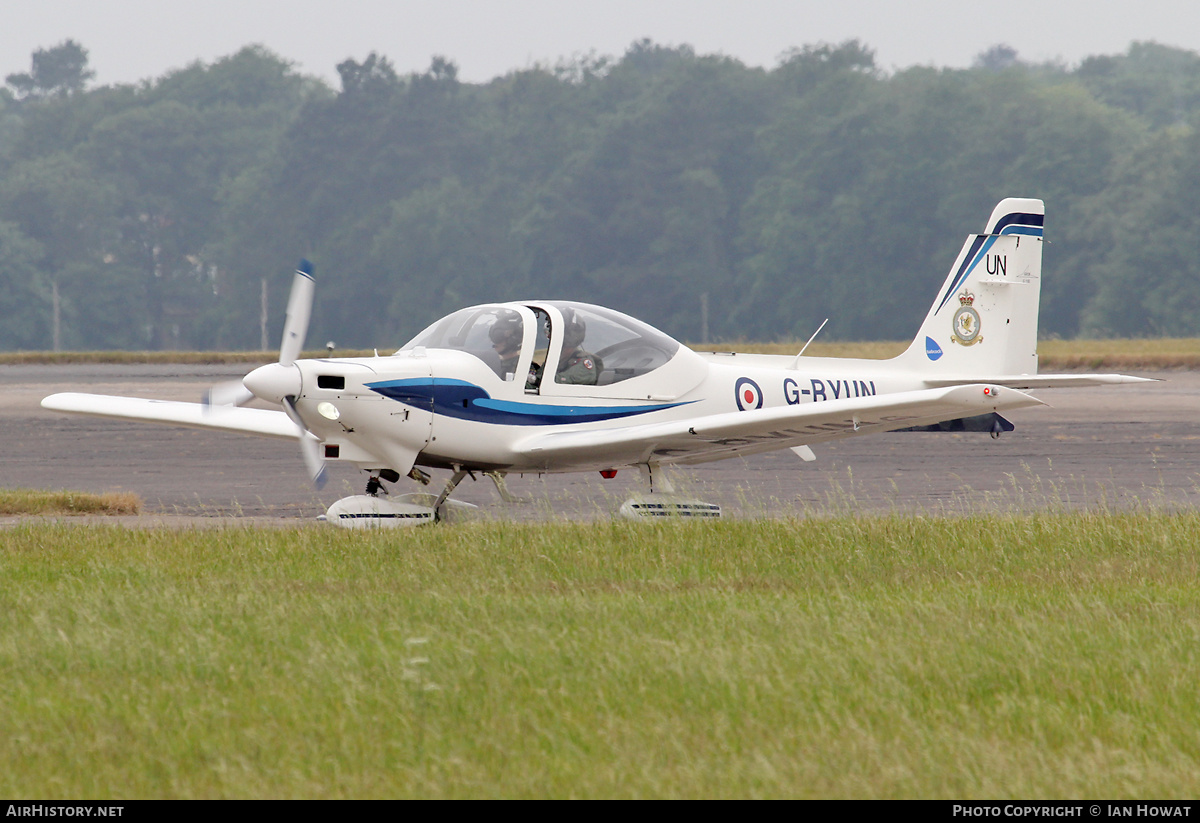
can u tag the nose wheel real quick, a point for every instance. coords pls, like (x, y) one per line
(435, 505)
(375, 482)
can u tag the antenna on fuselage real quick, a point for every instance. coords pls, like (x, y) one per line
(796, 362)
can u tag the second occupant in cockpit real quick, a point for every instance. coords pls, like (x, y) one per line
(576, 365)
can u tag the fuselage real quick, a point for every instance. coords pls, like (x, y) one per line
(443, 408)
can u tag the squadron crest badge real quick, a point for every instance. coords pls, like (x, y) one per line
(966, 326)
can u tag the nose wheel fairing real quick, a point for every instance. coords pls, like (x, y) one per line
(373, 511)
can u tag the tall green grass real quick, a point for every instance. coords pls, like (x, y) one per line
(1026, 656)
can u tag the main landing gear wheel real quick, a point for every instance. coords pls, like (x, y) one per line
(662, 500)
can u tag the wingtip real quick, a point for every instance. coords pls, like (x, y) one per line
(1118, 379)
(306, 268)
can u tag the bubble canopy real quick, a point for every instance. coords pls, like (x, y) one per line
(620, 346)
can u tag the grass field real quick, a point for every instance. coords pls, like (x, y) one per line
(1053, 355)
(1052, 655)
(1157, 353)
(36, 501)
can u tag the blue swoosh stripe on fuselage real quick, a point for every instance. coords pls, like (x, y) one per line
(467, 401)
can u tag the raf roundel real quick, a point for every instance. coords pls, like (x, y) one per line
(748, 394)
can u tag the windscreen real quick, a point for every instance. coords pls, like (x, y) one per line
(491, 333)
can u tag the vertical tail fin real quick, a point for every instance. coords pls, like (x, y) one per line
(984, 320)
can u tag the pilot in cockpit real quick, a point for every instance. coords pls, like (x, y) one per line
(506, 334)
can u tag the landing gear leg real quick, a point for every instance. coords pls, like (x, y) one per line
(502, 488)
(455, 479)
(657, 478)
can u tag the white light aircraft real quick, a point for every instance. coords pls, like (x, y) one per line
(473, 392)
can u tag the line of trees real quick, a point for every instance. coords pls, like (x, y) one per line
(158, 215)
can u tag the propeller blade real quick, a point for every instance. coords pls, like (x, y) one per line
(299, 309)
(227, 393)
(295, 328)
(310, 447)
(310, 450)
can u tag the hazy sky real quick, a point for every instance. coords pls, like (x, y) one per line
(131, 40)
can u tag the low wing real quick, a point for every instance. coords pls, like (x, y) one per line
(702, 439)
(173, 413)
(1041, 381)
